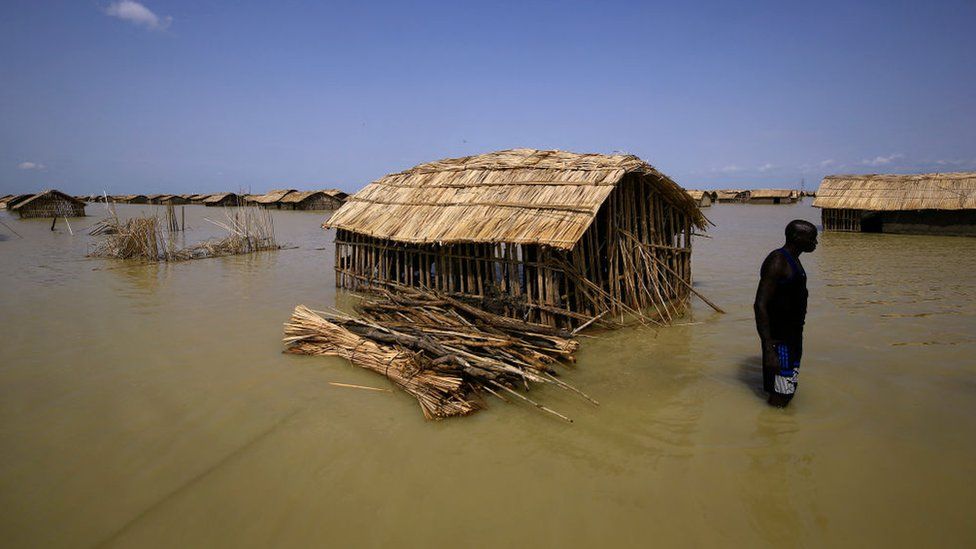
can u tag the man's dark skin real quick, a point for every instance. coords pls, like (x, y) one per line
(774, 325)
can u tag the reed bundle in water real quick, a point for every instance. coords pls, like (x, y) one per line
(249, 230)
(445, 352)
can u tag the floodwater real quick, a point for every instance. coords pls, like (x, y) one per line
(150, 406)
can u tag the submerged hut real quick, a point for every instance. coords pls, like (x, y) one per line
(135, 199)
(337, 198)
(51, 203)
(704, 199)
(173, 199)
(222, 199)
(731, 195)
(549, 236)
(773, 196)
(933, 203)
(272, 199)
(308, 200)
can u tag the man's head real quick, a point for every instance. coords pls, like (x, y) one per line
(802, 234)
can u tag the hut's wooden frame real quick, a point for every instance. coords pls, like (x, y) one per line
(634, 259)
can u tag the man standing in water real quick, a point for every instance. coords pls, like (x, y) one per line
(781, 309)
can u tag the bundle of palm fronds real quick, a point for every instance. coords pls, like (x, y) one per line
(450, 352)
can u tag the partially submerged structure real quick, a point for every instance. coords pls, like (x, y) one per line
(773, 196)
(222, 199)
(552, 237)
(50, 203)
(726, 196)
(704, 199)
(271, 199)
(135, 199)
(11, 200)
(934, 203)
(307, 200)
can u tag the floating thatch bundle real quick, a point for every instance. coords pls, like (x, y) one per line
(703, 198)
(773, 196)
(223, 199)
(443, 351)
(934, 203)
(559, 238)
(50, 203)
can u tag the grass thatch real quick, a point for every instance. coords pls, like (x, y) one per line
(772, 193)
(520, 196)
(933, 191)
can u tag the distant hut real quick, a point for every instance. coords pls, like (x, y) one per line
(198, 198)
(307, 200)
(337, 198)
(772, 196)
(173, 199)
(272, 199)
(550, 236)
(51, 203)
(730, 196)
(933, 203)
(703, 198)
(222, 199)
(135, 199)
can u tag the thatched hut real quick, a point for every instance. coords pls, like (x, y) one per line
(727, 196)
(50, 203)
(222, 199)
(338, 198)
(271, 199)
(173, 199)
(933, 203)
(135, 199)
(549, 236)
(704, 199)
(773, 196)
(198, 198)
(308, 200)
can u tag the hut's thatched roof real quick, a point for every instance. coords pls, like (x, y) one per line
(697, 195)
(930, 191)
(772, 193)
(522, 196)
(44, 194)
(336, 193)
(295, 197)
(214, 198)
(272, 196)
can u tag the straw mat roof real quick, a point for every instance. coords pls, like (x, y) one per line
(523, 196)
(931, 191)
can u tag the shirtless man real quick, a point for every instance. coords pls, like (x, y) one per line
(781, 309)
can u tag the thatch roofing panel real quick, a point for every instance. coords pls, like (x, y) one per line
(272, 196)
(933, 191)
(217, 197)
(295, 197)
(771, 193)
(519, 196)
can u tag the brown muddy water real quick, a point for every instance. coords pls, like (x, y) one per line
(150, 406)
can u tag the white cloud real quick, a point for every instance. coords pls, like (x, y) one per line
(828, 162)
(766, 167)
(30, 166)
(881, 160)
(137, 14)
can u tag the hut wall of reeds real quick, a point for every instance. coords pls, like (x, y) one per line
(772, 196)
(934, 203)
(50, 203)
(547, 236)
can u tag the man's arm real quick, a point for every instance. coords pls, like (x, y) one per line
(774, 268)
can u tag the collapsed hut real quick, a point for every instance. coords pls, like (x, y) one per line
(551, 237)
(50, 203)
(704, 199)
(222, 199)
(772, 196)
(933, 203)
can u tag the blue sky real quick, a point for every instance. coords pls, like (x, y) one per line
(203, 95)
